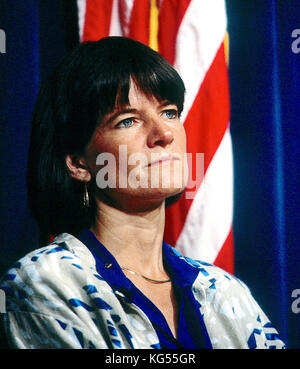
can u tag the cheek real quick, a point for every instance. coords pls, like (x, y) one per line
(118, 162)
(99, 150)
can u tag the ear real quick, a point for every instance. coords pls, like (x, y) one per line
(77, 168)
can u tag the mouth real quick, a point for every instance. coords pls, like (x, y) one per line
(163, 160)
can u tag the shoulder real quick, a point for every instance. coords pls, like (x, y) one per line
(64, 250)
(52, 270)
(213, 282)
(52, 294)
(233, 317)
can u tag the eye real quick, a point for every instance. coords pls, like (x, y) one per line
(171, 113)
(125, 123)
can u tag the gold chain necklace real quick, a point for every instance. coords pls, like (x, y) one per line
(148, 279)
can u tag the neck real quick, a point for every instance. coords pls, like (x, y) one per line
(134, 239)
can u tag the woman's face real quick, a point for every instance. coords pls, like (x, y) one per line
(137, 152)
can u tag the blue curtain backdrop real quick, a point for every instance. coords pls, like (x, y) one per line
(38, 34)
(264, 77)
(265, 126)
(19, 78)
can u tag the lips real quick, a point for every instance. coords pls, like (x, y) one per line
(162, 160)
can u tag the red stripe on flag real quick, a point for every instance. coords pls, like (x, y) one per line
(97, 19)
(224, 259)
(205, 126)
(171, 13)
(139, 21)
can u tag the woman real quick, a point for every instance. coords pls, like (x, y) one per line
(105, 129)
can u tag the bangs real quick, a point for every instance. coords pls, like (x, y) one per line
(134, 62)
(151, 86)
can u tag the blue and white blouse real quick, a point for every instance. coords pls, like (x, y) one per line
(64, 296)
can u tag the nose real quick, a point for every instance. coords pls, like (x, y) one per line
(160, 135)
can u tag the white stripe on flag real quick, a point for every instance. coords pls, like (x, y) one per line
(81, 6)
(209, 219)
(115, 24)
(199, 38)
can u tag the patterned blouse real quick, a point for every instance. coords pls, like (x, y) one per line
(56, 297)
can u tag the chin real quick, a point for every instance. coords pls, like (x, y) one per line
(144, 199)
(159, 194)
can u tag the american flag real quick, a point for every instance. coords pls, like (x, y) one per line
(191, 35)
